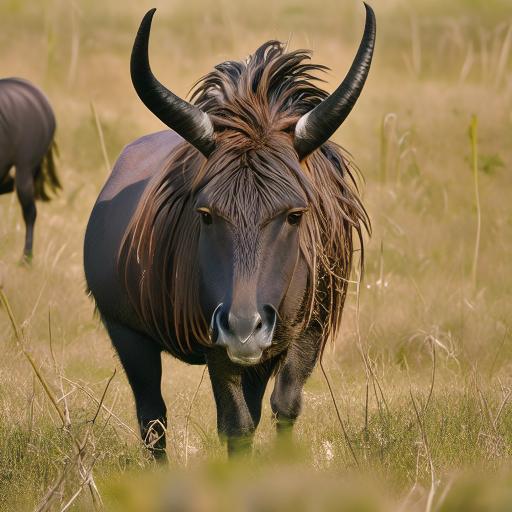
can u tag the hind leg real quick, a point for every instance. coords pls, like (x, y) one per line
(141, 360)
(24, 182)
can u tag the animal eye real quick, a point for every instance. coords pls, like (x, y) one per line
(294, 218)
(206, 218)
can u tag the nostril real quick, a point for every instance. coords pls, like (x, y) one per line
(214, 324)
(269, 313)
(259, 325)
(224, 321)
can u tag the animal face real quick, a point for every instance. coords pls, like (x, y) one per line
(251, 217)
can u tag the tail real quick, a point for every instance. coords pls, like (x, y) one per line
(46, 181)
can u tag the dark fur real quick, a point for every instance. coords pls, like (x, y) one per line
(145, 218)
(254, 105)
(27, 129)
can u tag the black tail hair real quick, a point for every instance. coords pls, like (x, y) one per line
(46, 181)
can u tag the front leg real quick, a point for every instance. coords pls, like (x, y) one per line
(141, 360)
(286, 399)
(234, 420)
(254, 383)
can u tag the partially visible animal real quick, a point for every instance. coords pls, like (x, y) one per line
(228, 240)
(27, 145)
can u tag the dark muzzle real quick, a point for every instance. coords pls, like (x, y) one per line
(244, 334)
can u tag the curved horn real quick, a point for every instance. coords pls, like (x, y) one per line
(190, 122)
(315, 127)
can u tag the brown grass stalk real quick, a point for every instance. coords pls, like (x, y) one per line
(189, 412)
(340, 420)
(432, 491)
(473, 137)
(101, 137)
(84, 471)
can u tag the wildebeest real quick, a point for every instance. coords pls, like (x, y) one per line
(228, 241)
(27, 129)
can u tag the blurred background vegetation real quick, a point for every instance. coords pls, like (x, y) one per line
(422, 371)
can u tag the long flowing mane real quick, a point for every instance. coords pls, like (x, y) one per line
(254, 105)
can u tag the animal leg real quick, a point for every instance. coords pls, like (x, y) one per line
(25, 190)
(141, 360)
(286, 398)
(254, 383)
(235, 423)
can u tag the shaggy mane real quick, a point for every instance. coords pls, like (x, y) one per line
(254, 106)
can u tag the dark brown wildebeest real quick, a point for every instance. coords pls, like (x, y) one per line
(27, 129)
(229, 241)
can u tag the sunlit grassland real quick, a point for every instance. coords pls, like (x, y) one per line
(421, 374)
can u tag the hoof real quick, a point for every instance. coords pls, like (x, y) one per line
(159, 456)
(153, 437)
(240, 447)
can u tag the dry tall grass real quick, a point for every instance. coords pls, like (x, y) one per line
(422, 373)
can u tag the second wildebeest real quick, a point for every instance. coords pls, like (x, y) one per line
(228, 240)
(27, 129)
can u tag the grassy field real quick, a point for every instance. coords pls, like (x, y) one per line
(422, 374)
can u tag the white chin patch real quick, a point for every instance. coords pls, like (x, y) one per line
(244, 361)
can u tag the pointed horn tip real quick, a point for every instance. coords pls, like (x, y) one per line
(146, 22)
(370, 13)
(148, 17)
(368, 7)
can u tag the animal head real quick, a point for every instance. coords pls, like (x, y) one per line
(251, 200)
(257, 208)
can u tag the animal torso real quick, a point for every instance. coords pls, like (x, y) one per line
(27, 125)
(27, 128)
